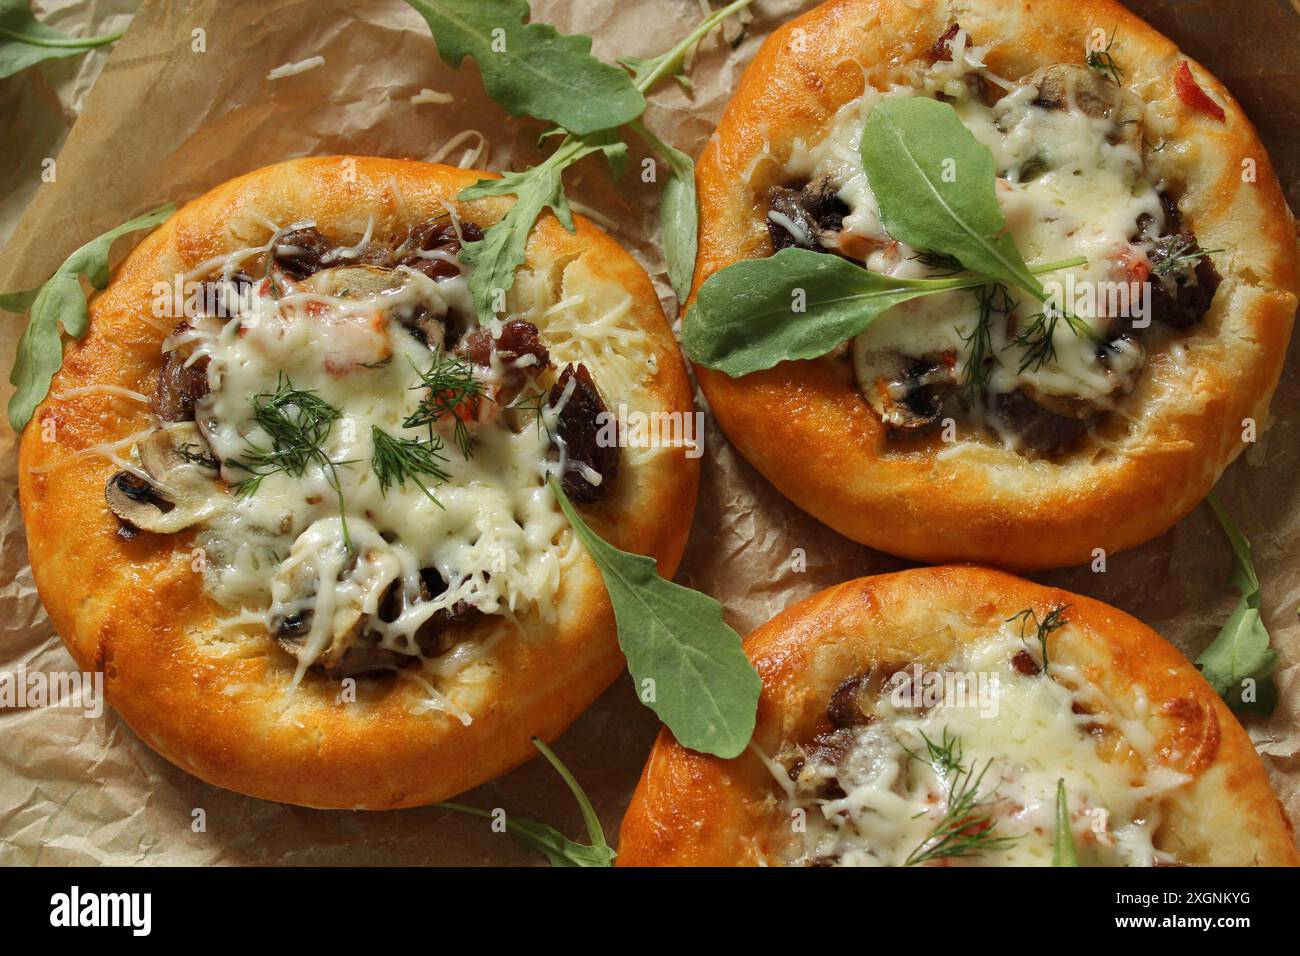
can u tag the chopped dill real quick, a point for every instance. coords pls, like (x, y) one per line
(942, 263)
(399, 460)
(1183, 253)
(945, 756)
(1038, 340)
(966, 828)
(298, 422)
(1102, 59)
(993, 299)
(1052, 621)
(451, 384)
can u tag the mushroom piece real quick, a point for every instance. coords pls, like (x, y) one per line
(180, 490)
(357, 583)
(1064, 86)
(906, 392)
(374, 282)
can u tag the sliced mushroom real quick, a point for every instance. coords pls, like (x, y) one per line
(1066, 86)
(806, 217)
(181, 490)
(375, 282)
(357, 584)
(1038, 432)
(906, 392)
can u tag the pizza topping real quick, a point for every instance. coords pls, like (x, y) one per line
(301, 251)
(345, 456)
(1071, 181)
(808, 217)
(587, 461)
(175, 488)
(958, 764)
(1190, 92)
(182, 380)
(432, 246)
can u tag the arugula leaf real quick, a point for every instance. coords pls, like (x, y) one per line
(1241, 651)
(744, 318)
(705, 688)
(496, 256)
(25, 41)
(545, 839)
(1063, 851)
(647, 71)
(531, 69)
(934, 183)
(60, 301)
(678, 213)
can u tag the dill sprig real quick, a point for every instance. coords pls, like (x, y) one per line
(940, 262)
(993, 299)
(1038, 340)
(945, 756)
(451, 383)
(1052, 621)
(1102, 59)
(399, 460)
(1184, 252)
(298, 422)
(966, 828)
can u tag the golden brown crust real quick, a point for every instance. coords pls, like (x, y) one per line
(695, 810)
(804, 425)
(219, 706)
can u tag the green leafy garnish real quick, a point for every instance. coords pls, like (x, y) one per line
(545, 839)
(1103, 61)
(462, 27)
(1063, 851)
(530, 68)
(1052, 621)
(60, 301)
(1038, 339)
(935, 185)
(452, 388)
(399, 460)
(966, 828)
(797, 304)
(25, 41)
(647, 71)
(678, 213)
(298, 423)
(1184, 253)
(496, 256)
(945, 756)
(979, 341)
(688, 665)
(1240, 662)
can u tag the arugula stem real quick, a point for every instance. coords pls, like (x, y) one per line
(72, 43)
(672, 59)
(594, 829)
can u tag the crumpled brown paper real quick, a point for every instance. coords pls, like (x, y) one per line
(167, 122)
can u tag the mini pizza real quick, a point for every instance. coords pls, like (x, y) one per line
(962, 716)
(290, 495)
(979, 423)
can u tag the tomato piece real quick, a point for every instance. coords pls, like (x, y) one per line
(1190, 92)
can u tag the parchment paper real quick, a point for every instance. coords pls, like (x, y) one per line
(165, 122)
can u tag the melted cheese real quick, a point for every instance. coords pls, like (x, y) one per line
(1025, 731)
(1065, 189)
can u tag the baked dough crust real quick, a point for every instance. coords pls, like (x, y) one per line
(691, 809)
(805, 426)
(138, 612)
